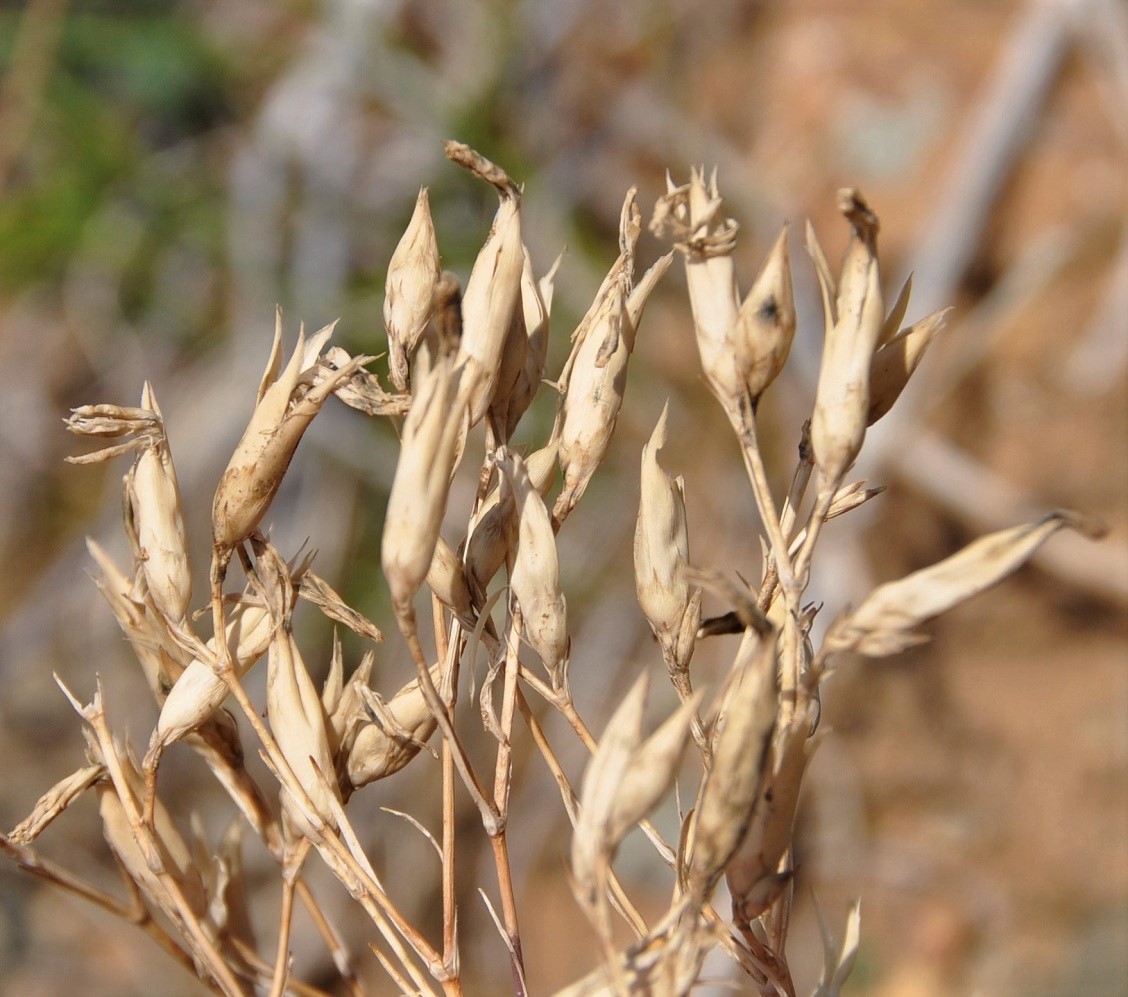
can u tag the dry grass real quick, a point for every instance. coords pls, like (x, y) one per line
(495, 653)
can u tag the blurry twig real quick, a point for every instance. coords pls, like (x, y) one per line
(33, 57)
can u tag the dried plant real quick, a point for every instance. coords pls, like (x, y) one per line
(457, 359)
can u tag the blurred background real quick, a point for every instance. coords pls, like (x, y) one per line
(170, 171)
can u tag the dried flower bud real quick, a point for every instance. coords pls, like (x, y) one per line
(691, 216)
(490, 300)
(740, 751)
(412, 274)
(535, 581)
(393, 736)
(893, 364)
(286, 405)
(299, 725)
(838, 425)
(199, 691)
(419, 492)
(595, 375)
(661, 549)
(766, 323)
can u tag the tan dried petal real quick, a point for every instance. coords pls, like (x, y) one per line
(54, 802)
(413, 272)
(885, 621)
(893, 364)
(318, 591)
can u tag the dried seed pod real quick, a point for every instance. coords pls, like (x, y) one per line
(419, 492)
(393, 734)
(595, 375)
(742, 735)
(765, 325)
(490, 300)
(885, 621)
(893, 364)
(199, 691)
(842, 400)
(287, 403)
(413, 272)
(54, 802)
(153, 493)
(155, 497)
(299, 725)
(535, 578)
(447, 579)
(536, 306)
(661, 550)
(691, 216)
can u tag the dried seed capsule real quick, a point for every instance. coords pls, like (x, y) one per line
(489, 302)
(419, 492)
(766, 323)
(412, 274)
(842, 400)
(661, 548)
(535, 581)
(287, 403)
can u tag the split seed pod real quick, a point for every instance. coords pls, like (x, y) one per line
(286, 405)
(412, 274)
(595, 376)
(661, 552)
(535, 581)
(491, 298)
(842, 400)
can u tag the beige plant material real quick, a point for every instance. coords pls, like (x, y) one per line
(530, 331)
(360, 389)
(174, 854)
(413, 272)
(842, 399)
(691, 215)
(595, 376)
(446, 577)
(886, 621)
(493, 291)
(896, 360)
(162, 660)
(294, 708)
(661, 555)
(316, 590)
(200, 691)
(392, 735)
(741, 742)
(419, 491)
(153, 493)
(535, 578)
(288, 399)
(838, 960)
(765, 325)
(52, 803)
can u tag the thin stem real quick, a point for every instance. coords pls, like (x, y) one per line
(331, 937)
(36, 865)
(291, 870)
(502, 773)
(450, 894)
